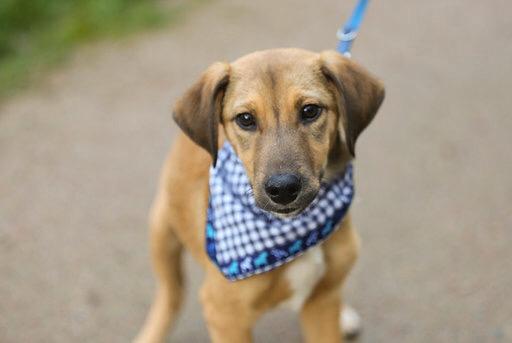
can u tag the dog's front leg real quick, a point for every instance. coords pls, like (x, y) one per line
(319, 318)
(228, 314)
(320, 315)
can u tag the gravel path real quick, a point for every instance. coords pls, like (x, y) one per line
(80, 156)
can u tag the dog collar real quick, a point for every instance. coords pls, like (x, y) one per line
(244, 240)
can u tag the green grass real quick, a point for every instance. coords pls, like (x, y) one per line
(38, 34)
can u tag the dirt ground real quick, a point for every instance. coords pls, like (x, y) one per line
(80, 157)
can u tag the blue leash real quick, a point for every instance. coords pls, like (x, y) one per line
(348, 33)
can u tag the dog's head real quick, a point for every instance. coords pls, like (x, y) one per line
(292, 116)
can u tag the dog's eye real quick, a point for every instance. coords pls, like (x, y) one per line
(246, 121)
(310, 113)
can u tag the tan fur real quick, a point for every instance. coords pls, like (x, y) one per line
(272, 84)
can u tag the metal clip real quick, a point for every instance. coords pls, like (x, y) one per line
(346, 36)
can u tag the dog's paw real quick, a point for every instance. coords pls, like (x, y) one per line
(350, 322)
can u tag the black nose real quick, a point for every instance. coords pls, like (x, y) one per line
(283, 188)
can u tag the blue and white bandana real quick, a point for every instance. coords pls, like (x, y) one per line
(244, 240)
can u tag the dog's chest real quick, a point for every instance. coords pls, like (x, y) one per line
(302, 275)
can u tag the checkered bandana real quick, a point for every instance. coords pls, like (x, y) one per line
(243, 240)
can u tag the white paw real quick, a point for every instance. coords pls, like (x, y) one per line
(350, 321)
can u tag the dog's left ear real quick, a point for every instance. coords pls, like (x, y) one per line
(198, 111)
(359, 94)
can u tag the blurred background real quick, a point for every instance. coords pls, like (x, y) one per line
(85, 92)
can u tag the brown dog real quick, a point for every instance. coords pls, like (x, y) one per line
(283, 111)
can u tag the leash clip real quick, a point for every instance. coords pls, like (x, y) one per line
(348, 32)
(345, 39)
(348, 36)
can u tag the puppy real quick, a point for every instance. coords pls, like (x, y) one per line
(290, 115)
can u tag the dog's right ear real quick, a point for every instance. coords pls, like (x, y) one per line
(198, 111)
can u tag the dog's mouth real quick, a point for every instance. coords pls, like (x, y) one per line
(286, 210)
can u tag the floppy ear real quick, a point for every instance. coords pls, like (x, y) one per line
(359, 94)
(198, 111)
